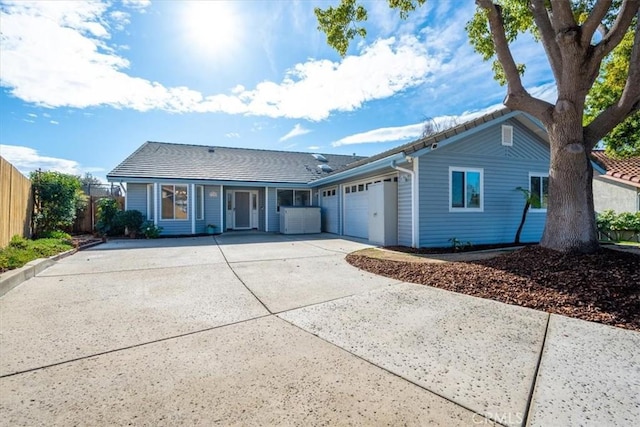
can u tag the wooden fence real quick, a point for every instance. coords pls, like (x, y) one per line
(86, 220)
(16, 203)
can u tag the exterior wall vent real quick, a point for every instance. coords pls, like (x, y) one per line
(507, 135)
(325, 168)
(320, 158)
(212, 150)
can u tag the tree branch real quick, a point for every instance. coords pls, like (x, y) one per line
(517, 97)
(562, 15)
(628, 103)
(628, 10)
(594, 21)
(541, 18)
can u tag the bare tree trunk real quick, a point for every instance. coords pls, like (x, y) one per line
(521, 226)
(570, 224)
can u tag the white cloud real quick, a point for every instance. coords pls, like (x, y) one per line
(53, 122)
(27, 159)
(93, 73)
(32, 115)
(296, 131)
(413, 131)
(28, 121)
(313, 147)
(387, 134)
(232, 135)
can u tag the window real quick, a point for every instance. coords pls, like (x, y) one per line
(293, 198)
(175, 202)
(539, 189)
(466, 190)
(199, 202)
(150, 202)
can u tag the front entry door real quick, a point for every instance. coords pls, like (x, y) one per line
(242, 213)
(245, 210)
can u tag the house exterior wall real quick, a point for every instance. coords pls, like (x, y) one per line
(274, 217)
(137, 198)
(608, 194)
(504, 169)
(404, 207)
(212, 197)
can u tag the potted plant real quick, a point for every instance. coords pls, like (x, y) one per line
(211, 228)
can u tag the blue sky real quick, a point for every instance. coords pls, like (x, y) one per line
(84, 84)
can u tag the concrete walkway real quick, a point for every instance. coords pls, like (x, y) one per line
(261, 329)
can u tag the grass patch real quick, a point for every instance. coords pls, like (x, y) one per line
(20, 250)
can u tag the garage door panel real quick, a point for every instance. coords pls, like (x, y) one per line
(330, 214)
(356, 217)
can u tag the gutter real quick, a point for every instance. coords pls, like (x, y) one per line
(359, 170)
(413, 198)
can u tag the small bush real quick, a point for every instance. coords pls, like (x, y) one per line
(150, 230)
(614, 225)
(130, 222)
(107, 211)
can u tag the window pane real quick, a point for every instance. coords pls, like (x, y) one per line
(457, 189)
(167, 202)
(181, 200)
(535, 186)
(545, 192)
(473, 189)
(285, 198)
(303, 198)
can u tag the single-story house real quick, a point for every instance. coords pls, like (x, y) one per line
(616, 183)
(457, 184)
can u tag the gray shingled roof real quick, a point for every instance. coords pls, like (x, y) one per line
(160, 160)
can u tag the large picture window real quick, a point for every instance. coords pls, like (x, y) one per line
(293, 198)
(466, 190)
(539, 189)
(175, 200)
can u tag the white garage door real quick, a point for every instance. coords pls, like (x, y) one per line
(356, 210)
(329, 204)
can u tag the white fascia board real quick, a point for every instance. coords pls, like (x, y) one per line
(366, 168)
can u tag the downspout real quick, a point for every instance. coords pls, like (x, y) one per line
(413, 199)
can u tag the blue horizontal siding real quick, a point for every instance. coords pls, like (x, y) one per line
(505, 168)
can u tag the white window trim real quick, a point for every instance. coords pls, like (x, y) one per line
(199, 212)
(294, 196)
(465, 170)
(540, 175)
(174, 203)
(151, 208)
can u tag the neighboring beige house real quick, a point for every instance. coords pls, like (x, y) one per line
(617, 185)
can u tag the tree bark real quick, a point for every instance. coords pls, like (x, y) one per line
(571, 223)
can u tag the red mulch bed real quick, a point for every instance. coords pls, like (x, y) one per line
(603, 287)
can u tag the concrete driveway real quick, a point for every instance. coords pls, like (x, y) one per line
(262, 329)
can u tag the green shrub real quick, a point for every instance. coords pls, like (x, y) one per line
(20, 251)
(150, 230)
(56, 234)
(130, 222)
(57, 198)
(613, 225)
(107, 211)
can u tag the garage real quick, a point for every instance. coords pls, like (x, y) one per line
(329, 205)
(356, 206)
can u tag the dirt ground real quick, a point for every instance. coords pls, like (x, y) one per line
(602, 287)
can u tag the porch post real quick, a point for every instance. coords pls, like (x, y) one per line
(266, 209)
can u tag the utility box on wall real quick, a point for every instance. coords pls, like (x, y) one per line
(383, 213)
(299, 220)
